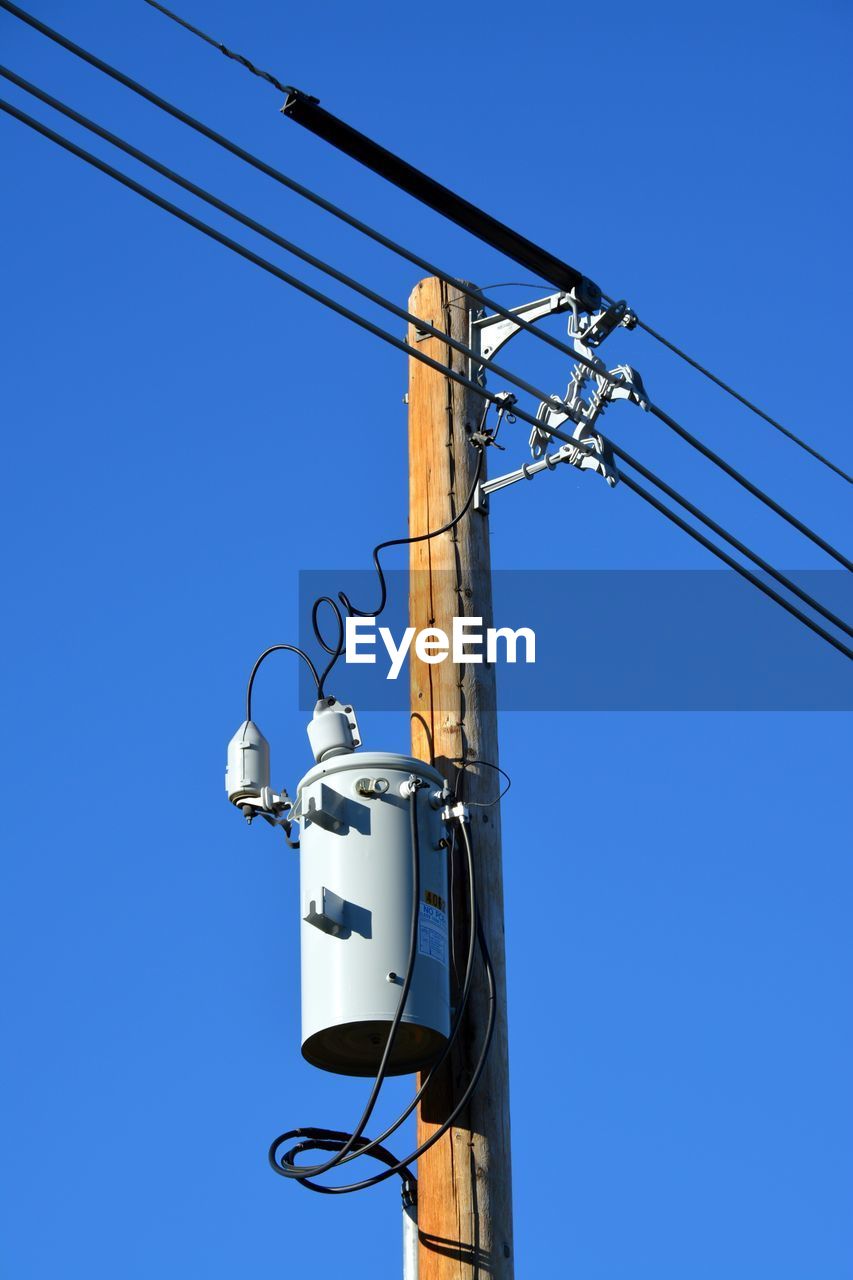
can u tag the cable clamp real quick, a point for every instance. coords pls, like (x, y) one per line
(595, 328)
(458, 812)
(504, 402)
(630, 387)
(484, 439)
(620, 383)
(276, 809)
(410, 1192)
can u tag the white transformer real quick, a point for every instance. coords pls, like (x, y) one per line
(356, 877)
(357, 880)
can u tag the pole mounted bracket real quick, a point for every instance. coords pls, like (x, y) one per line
(592, 387)
(488, 333)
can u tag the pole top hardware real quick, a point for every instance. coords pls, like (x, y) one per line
(591, 388)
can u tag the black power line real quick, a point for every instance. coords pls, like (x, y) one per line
(750, 487)
(798, 440)
(229, 53)
(273, 236)
(284, 180)
(390, 306)
(733, 564)
(305, 110)
(298, 189)
(733, 541)
(398, 343)
(423, 326)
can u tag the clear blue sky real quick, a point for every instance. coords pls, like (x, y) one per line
(176, 429)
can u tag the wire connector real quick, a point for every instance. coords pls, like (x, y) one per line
(458, 812)
(598, 327)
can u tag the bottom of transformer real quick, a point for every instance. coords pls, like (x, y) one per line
(356, 1048)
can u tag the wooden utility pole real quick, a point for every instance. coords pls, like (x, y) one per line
(465, 1180)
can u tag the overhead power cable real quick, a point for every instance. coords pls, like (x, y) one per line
(756, 409)
(297, 188)
(292, 185)
(420, 324)
(387, 304)
(229, 53)
(733, 564)
(305, 110)
(788, 583)
(750, 487)
(745, 573)
(398, 343)
(300, 285)
(368, 293)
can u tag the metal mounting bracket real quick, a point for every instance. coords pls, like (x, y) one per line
(580, 406)
(488, 333)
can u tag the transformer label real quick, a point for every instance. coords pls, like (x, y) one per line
(432, 932)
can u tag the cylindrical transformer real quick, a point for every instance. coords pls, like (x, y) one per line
(356, 874)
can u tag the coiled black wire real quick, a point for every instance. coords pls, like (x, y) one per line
(335, 650)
